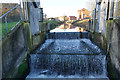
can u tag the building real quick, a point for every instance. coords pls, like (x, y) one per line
(63, 18)
(84, 13)
(72, 18)
(52, 19)
(57, 18)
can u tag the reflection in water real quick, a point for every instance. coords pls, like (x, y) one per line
(68, 28)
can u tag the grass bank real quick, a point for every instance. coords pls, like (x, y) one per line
(82, 23)
(53, 24)
(3, 30)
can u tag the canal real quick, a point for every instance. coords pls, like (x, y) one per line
(68, 53)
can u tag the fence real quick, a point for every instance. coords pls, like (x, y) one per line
(5, 16)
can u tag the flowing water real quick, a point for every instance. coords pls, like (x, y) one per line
(68, 55)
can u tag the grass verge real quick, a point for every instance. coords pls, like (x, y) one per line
(3, 30)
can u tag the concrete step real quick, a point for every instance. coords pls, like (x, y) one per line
(67, 79)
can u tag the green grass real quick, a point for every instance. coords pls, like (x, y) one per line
(23, 69)
(76, 21)
(82, 23)
(53, 24)
(3, 31)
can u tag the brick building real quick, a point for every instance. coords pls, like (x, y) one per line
(72, 18)
(63, 18)
(84, 13)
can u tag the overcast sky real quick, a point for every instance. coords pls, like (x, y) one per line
(56, 8)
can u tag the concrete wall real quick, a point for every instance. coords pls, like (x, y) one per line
(16, 47)
(115, 47)
(13, 46)
(34, 18)
(107, 35)
(103, 41)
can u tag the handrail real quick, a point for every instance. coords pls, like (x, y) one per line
(5, 15)
(9, 11)
(15, 25)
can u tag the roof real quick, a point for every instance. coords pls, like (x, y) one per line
(82, 10)
(72, 16)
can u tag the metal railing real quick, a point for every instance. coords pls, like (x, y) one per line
(5, 15)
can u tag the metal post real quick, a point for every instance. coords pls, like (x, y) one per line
(48, 27)
(98, 17)
(6, 23)
(94, 18)
(26, 10)
(40, 14)
(116, 9)
(108, 6)
(111, 9)
(20, 12)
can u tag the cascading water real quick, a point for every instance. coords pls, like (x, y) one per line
(70, 57)
(67, 66)
(71, 46)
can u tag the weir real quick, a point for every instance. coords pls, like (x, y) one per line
(30, 51)
(66, 55)
(67, 66)
(67, 35)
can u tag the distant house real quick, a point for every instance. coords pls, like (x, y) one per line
(72, 18)
(57, 18)
(84, 13)
(51, 19)
(63, 18)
